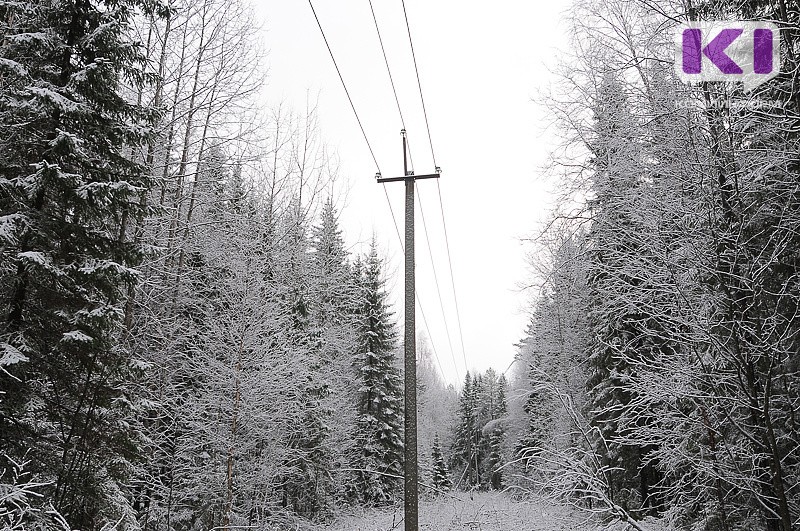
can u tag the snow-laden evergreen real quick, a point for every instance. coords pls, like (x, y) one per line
(478, 447)
(378, 431)
(658, 368)
(441, 474)
(69, 191)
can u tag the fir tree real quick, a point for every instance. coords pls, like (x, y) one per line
(68, 197)
(380, 405)
(496, 436)
(307, 489)
(335, 308)
(463, 455)
(538, 405)
(441, 476)
(621, 330)
(331, 268)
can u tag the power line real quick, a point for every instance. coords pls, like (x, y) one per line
(391, 78)
(386, 61)
(369, 146)
(345, 86)
(394, 219)
(436, 281)
(428, 328)
(438, 187)
(419, 199)
(452, 278)
(419, 84)
(419, 302)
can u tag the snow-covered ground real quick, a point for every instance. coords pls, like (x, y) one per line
(482, 511)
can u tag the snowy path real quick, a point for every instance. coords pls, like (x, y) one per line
(486, 511)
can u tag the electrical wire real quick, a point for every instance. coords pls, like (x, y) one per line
(452, 277)
(411, 158)
(344, 86)
(438, 187)
(369, 146)
(391, 80)
(416, 295)
(419, 84)
(436, 281)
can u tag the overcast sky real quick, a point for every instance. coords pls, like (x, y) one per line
(481, 65)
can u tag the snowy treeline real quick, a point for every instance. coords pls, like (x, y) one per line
(660, 374)
(185, 342)
(476, 455)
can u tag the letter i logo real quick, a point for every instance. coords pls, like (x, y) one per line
(728, 51)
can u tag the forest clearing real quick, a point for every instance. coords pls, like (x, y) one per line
(482, 511)
(211, 321)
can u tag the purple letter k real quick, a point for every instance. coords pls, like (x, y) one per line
(715, 50)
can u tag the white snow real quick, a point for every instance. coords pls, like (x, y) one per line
(28, 37)
(76, 335)
(33, 256)
(8, 225)
(9, 355)
(13, 66)
(486, 511)
(55, 98)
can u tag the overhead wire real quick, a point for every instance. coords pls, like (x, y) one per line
(369, 146)
(452, 277)
(377, 165)
(389, 71)
(419, 84)
(438, 187)
(416, 295)
(344, 85)
(419, 199)
(436, 282)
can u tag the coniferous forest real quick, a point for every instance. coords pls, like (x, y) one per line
(188, 342)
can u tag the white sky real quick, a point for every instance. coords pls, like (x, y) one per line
(481, 65)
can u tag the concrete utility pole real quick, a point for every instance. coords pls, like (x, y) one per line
(410, 480)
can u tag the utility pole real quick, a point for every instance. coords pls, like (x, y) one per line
(410, 480)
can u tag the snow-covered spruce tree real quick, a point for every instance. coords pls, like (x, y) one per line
(337, 302)
(68, 192)
(479, 434)
(213, 445)
(479, 453)
(551, 357)
(379, 420)
(494, 434)
(464, 451)
(536, 408)
(441, 475)
(754, 164)
(304, 482)
(623, 330)
(330, 269)
(695, 297)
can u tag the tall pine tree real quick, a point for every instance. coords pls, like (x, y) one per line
(623, 329)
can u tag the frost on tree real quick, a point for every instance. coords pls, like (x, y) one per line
(69, 195)
(378, 432)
